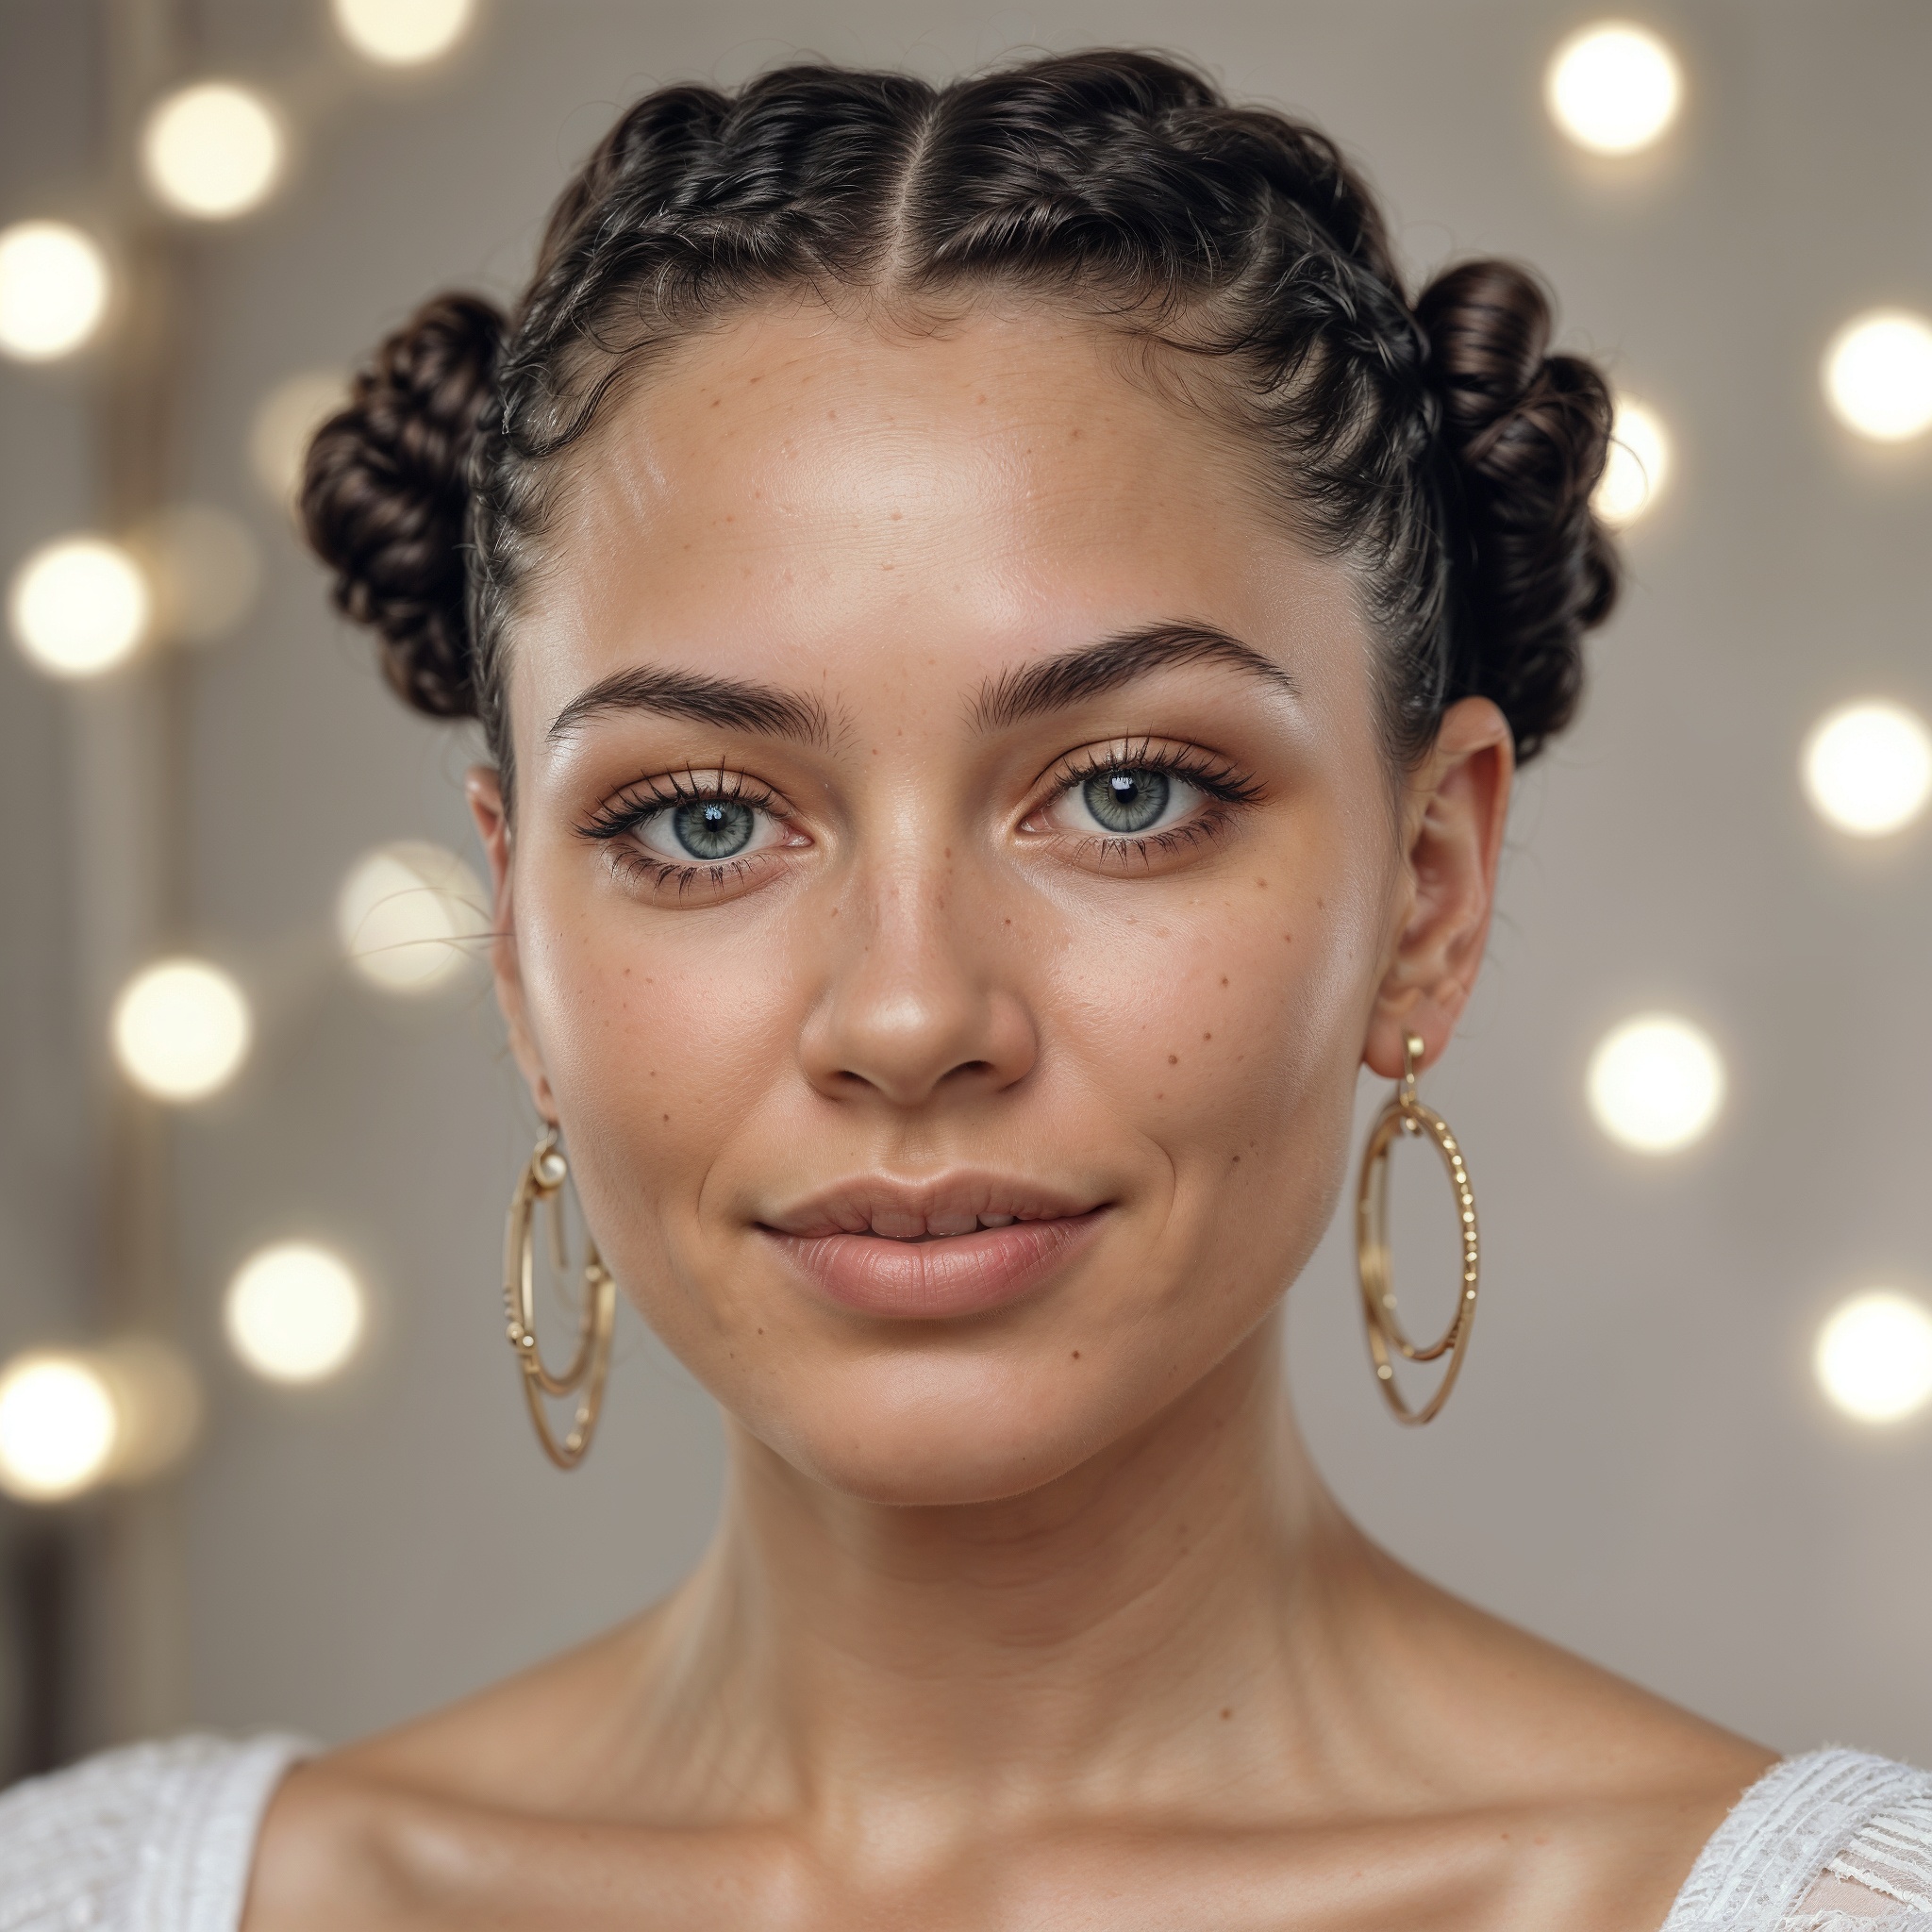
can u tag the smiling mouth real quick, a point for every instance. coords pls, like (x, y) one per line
(945, 1265)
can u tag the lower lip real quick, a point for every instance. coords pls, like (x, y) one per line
(938, 1281)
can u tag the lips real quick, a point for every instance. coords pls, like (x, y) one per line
(960, 1246)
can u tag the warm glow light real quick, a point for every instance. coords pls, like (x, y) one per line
(1868, 767)
(1878, 374)
(78, 606)
(1874, 1356)
(404, 913)
(1637, 466)
(294, 1313)
(53, 289)
(57, 1427)
(1655, 1083)
(206, 568)
(157, 1404)
(181, 1029)
(1613, 87)
(400, 33)
(213, 151)
(285, 420)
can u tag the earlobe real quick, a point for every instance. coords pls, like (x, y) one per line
(1457, 809)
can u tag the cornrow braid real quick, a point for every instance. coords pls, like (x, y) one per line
(1440, 448)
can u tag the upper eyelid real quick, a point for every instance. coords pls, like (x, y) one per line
(1215, 773)
(643, 798)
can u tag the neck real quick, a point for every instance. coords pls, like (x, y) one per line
(1188, 1601)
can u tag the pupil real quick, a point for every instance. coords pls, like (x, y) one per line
(713, 827)
(1126, 801)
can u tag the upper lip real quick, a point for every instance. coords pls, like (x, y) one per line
(947, 1203)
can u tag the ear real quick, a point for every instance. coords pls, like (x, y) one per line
(1455, 806)
(483, 787)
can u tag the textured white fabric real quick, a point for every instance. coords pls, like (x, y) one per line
(1834, 1842)
(160, 1837)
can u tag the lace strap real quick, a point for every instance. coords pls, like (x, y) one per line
(1782, 1834)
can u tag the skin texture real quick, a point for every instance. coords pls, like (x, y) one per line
(1038, 1616)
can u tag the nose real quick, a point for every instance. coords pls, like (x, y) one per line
(919, 998)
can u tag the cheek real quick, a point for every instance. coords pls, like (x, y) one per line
(659, 1035)
(1220, 1015)
(1226, 1035)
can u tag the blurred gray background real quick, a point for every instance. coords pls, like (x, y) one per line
(1638, 1462)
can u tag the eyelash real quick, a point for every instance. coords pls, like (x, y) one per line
(637, 804)
(1226, 785)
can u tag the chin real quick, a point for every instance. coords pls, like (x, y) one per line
(926, 1433)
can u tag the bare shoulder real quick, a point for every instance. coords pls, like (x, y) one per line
(349, 1833)
(1527, 1711)
(1607, 1792)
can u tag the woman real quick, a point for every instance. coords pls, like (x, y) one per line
(1004, 640)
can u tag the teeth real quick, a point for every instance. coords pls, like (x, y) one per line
(917, 1227)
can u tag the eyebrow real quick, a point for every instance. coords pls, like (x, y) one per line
(1092, 671)
(725, 702)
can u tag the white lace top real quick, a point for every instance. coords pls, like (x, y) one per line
(160, 1839)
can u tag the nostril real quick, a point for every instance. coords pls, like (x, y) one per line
(970, 1067)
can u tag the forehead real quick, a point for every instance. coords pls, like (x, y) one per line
(813, 495)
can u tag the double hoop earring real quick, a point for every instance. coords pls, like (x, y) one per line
(1406, 1114)
(542, 1183)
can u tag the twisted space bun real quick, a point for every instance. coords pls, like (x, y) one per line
(1526, 433)
(387, 491)
(1439, 449)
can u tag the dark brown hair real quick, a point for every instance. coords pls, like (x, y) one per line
(1439, 447)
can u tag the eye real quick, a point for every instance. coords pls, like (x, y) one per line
(1124, 801)
(708, 831)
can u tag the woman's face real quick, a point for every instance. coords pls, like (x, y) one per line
(954, 879)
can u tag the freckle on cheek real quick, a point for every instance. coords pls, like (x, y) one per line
(1173, 1060)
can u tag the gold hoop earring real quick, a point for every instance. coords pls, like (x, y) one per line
(1406, 1114)
(541, 1181)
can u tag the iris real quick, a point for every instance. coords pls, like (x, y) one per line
(1126, 801)
(713, 828)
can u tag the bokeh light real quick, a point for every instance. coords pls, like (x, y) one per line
(78, 606)
(206, 570)
(284, 422)
(1868, 767)
(1873, 1356)
(403, 33)
(1613, 87)
(53, 289)
(404, 913)
(1878, 374)
(213, 151)
(1655, 1083)
(1637, 466)
(57, 1425)
(181, 1029)
(294, 1312)
(157, 1404)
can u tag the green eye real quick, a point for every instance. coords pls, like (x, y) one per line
(1127, 800)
